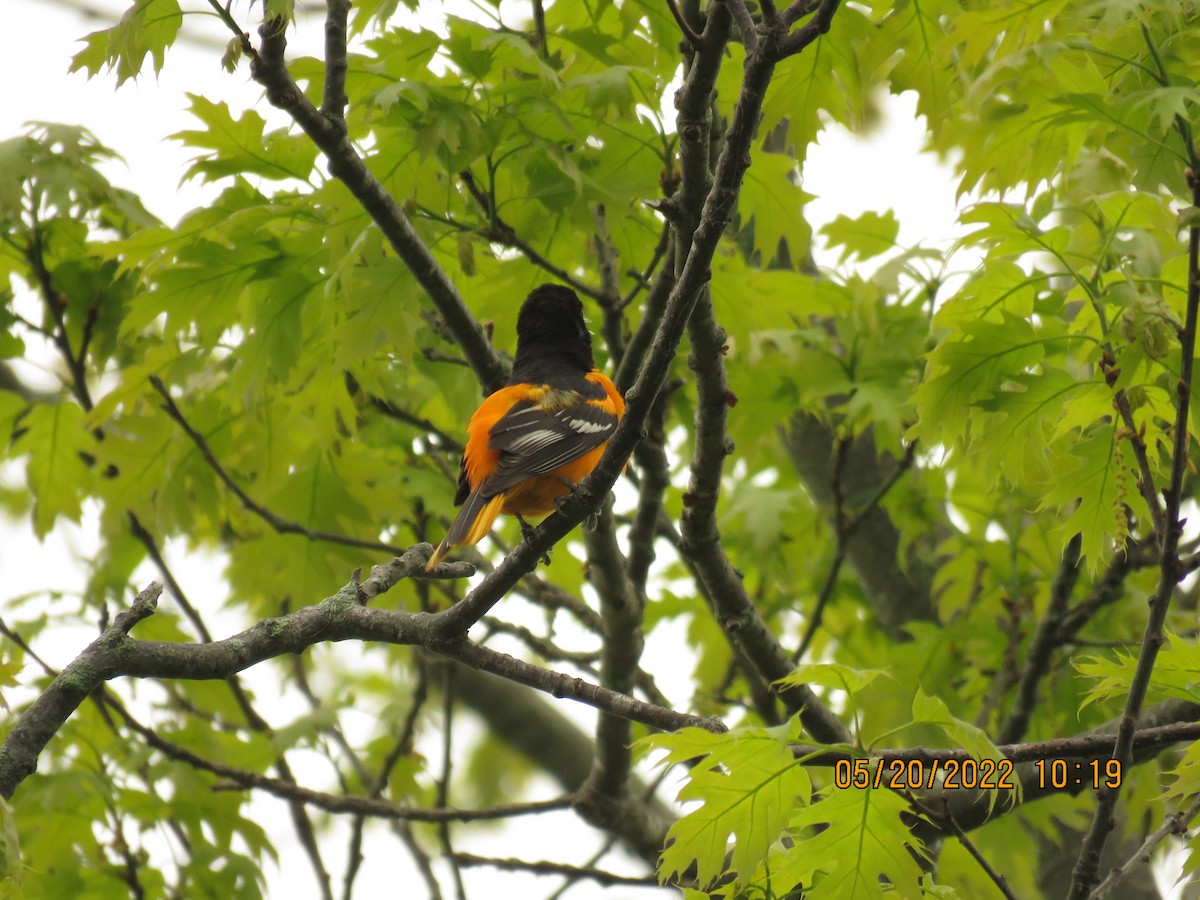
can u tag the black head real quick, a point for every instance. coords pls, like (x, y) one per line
(552, 334)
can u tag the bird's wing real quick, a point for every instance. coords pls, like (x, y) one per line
(535, 438)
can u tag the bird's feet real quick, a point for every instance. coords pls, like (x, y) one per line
(593, 518)
(563, 498)
(527, 533)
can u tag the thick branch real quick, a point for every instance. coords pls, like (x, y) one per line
(1084, 747)
(621, 614)
(21, 748)
(654, 469)
(337, 618)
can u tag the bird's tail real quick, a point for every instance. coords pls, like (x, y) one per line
(473, 521)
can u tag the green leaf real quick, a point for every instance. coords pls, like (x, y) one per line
(968, 367)
(234, 51)
(747, 785)
(1098, 478)
(925, 66)
(147, 28)
(832, 675)
(871, 234)
(773, 204)
(845, 843)
(932, 710)
(1176, 672)
(607, 91)
(281, 9)
(241, 146)
(56, 442)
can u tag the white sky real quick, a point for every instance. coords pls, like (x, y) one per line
(36, 45)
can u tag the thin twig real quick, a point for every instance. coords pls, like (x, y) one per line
(446, 442)
(443, 780)
(845, 526)
(651, 456)
(841, 451)
(225, 16)
(502, 233)
(1045, 640)
(1130, 431)
(1176, 823)
(303, 825)
(552, 868)
(997, 879)
(56, 305)
(610, 284)
(642, 279)
(621, 609)
(688, 33)
(539, 29)
(402, 745)
(240, 779)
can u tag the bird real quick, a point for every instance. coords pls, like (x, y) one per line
(531, 442)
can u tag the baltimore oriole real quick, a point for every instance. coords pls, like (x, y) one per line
(533, 440)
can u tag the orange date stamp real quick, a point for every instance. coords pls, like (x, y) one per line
(917, 774)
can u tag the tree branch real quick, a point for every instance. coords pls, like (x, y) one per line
(654, 468)
(638, 345)
(745, 24)
(997, 879)
(38, 724)
(811, 30)
(610, 286)
(333, 106)
(688, 32)
(370, 806)
(621, 613)
(304, 828)
(1093, 745)
(337, 618)
(539, 29)
(55, 304)
(1175, 824)
(500, 232)
(552, 868)
(898, 592)
(1170, 569)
